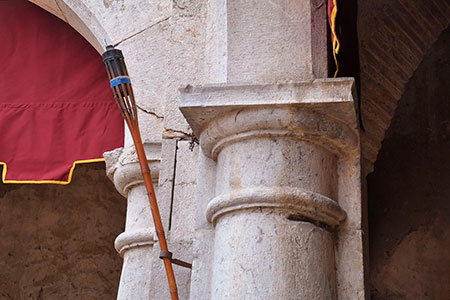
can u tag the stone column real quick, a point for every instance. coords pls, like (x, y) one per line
(275, 207)
(279, 170)
(136, 243)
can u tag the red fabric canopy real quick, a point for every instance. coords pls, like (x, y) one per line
(56, 106)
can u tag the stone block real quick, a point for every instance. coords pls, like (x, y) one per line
(184, 201)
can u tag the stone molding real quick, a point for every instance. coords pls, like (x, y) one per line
(316, 111)
(122, 166)
(295, 201)
(277, 122)
(136, 238)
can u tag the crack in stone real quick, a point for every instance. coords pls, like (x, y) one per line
(149, 112)
(140, 31)
(183, 134)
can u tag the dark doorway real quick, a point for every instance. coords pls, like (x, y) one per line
(409, 191)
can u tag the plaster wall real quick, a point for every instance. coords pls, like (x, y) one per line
(56, 241)
(409, 207)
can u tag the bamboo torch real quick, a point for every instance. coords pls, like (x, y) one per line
(123, 93)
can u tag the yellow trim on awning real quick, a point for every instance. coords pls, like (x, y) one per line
(5, 168)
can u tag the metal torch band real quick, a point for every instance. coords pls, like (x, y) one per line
(119, 80)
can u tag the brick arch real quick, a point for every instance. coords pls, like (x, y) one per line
(394, 36)
(80, 17)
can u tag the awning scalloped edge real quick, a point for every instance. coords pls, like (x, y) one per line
(5, 169)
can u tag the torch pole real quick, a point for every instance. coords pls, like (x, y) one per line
(123, 93)
(155, 212)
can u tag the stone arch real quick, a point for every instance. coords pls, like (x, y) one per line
(80, 17)
(394, 36)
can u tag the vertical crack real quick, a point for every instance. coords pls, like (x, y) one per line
(172, 196)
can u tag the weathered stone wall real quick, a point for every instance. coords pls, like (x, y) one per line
(409, 207)
(56, 241)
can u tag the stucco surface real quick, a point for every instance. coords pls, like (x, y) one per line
(56, 241)
(409, 207)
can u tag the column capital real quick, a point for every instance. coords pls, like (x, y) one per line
(122, 166)
(319, 111)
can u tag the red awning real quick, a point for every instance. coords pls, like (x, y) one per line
(56, 106)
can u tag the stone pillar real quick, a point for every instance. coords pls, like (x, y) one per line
(275, 207)
(136, 243)
(266, 41)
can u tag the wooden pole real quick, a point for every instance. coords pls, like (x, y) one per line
(123, 92)
(155, 212)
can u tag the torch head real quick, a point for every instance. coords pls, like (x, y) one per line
(117, 70)
(120, 83)
(114, 62)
